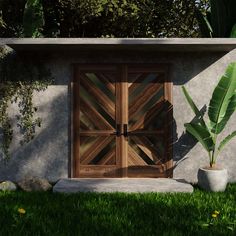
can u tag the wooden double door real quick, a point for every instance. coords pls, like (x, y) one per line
(122, 121)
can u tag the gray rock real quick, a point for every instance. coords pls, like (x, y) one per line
(34, 184)
(7, 186)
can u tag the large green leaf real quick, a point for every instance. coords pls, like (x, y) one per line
(223, 101)
(196, 111)
(223, 17)
(201, 134)
(233, 32)
(217, 128)
(2, 23)
(226, 140)
(204, 24)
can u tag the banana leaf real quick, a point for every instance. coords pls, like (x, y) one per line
(196, 111)
(204, 24)
(223, 17)
(223, 101)
(233, 32)
(226, 140)
(217, 128)
(201, 134)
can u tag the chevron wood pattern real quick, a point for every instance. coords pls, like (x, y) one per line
(110, 96)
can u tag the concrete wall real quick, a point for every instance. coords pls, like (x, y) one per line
(48, 155)
(200, 80)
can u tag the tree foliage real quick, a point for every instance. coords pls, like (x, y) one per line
(12, 15)
(33, 19)
(102, 18)
(219, 20)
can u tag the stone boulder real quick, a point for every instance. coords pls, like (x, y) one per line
(30, 184)
(7, 186)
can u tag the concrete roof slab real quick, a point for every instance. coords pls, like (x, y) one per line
(132, 44)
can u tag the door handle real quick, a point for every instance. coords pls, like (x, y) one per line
(118, 130)
(126, 130)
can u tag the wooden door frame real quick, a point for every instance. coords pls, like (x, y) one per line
(74, 86)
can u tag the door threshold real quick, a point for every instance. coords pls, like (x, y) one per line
(125, 185)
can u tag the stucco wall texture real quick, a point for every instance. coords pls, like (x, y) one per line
(49, 155)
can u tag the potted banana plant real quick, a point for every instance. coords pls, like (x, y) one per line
(221, 107)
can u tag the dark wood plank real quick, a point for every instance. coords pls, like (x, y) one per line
(97, 133)
(135, 158)
(98, 171)
(109, 157)
(124, 118)
(84, 139)
(143, 98)
(83, 125)
(89, 68)
(148, 116)
(137, 82)
(146, 172)
(132, 77)
(146, 132)
(168, 128)
(93, 151)
(146, 149)
(98, 95)
(118, 120)
(94, 116)
(108, 82)
(148, 68)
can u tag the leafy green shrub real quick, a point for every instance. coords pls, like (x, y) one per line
(19, 79)
(101, 18)
(12, 15)
(33, 19)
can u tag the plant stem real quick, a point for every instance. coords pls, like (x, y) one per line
(213, 157)
(209, 154)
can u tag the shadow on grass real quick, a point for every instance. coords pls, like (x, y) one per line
(116, 214)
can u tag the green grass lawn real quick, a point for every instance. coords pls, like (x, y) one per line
(118, 214)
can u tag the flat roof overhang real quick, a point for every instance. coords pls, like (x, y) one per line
(131, 44)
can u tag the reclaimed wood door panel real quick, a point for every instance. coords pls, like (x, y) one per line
(95, 102)
(122, 121)
(149, 125)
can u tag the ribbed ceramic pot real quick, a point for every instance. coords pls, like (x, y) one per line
(214, 180)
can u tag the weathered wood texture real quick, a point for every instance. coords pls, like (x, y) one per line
(137, 99)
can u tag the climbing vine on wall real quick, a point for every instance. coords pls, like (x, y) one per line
(20, 77)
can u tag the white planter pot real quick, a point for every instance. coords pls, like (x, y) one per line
(214, 180)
